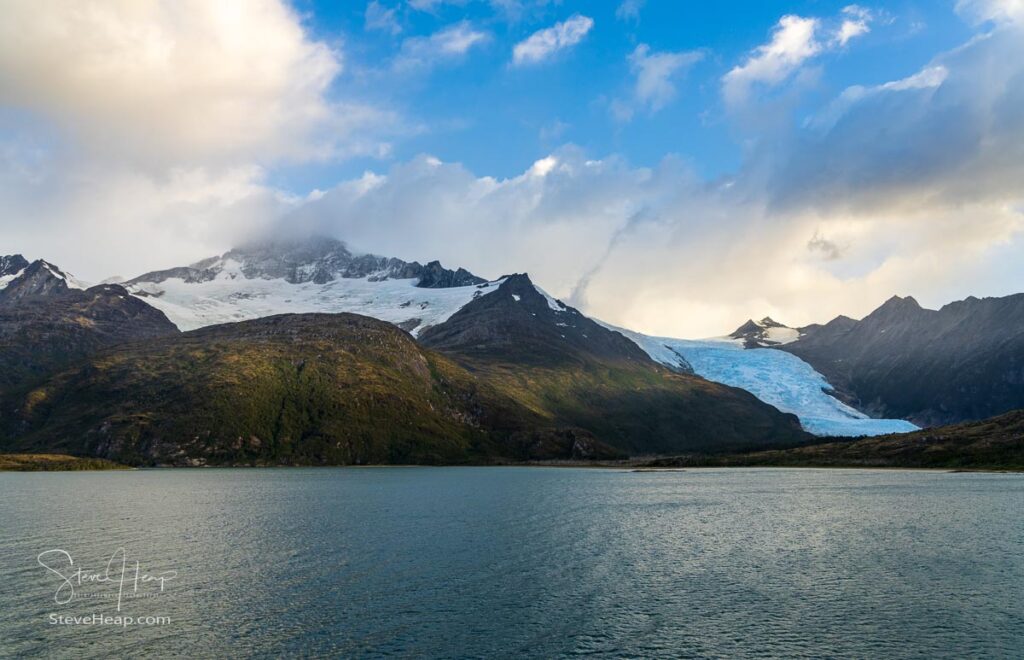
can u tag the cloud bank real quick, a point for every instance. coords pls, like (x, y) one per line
(129, 123)
(139, 135)
(909, 187)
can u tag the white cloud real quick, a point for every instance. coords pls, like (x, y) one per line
(178, 81)
(793, 41)
(544, 43)
(629, 10)
(992, 10)
(927, 78)
(449, 43)
(855, 23)
(655, 72)
(379, 17)
(143, 129)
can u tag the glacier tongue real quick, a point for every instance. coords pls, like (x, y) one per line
(776, 377)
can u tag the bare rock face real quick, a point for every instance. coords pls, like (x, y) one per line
(12, 264)
(962, 362)
(45, 324)
(317, 259)
(764, 333)
(38, 279)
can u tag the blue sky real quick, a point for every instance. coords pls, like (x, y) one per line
(497, 119)
(673, 167)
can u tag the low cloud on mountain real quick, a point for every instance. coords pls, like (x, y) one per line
(907, 186)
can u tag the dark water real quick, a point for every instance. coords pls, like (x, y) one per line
(499, 562)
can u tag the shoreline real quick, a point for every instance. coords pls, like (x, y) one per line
(67, 463)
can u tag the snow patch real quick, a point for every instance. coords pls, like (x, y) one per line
(7, 279)
(778, 335)
(554, 304)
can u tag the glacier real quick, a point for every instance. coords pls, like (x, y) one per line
(778, 378)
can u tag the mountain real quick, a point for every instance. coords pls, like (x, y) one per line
(575, 372)
(47, 323)
(962, 362)
(311, 275)
(10, 267)
(289, 389)
(39, 278)
(991, 444)
(764, 333)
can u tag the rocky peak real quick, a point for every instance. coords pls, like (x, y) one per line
(12, 264)
(764, 333)
(39, 278)
(895, 310)
(317, 259)
(520, 322)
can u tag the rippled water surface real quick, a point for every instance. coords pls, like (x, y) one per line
(498, 562)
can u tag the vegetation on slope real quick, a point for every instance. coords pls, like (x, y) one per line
(562, 365)
(290, 389)
(992, 444)
(54, 463)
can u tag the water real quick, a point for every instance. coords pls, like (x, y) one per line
(486, 562)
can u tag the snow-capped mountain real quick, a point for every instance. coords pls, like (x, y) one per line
(323, 275)
(21, 279)
(763, 333)
(774, 376)
(313, 275)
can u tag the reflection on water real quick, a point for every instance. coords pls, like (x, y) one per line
(518, 561)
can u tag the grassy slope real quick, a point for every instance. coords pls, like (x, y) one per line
(642, 410)
(996, 443)
(292, 389)
(565, 367)
(54, 463)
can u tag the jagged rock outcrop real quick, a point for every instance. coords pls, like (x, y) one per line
(764, 333)
(11, 265)
(318, 260)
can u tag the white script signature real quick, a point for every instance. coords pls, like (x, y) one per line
(118, 572)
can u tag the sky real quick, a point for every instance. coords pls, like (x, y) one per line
(671, 167)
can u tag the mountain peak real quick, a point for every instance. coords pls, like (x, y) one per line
(521, 322)
(769, 322)
(896, 302)
(12, 264)
(316, 259)
(764, 333)
(39, 278)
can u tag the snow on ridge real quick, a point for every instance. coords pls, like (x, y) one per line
(7, 279)
(775, 377)
(230, 297)
(553, 303)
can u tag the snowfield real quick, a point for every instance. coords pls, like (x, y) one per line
(232, 297)
(776, 377)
